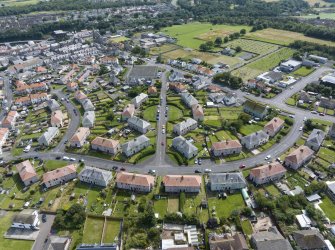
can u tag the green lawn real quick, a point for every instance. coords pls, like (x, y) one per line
(246, 227)
(173, 205)
(53, 164)
(149, 114)
(250, 128)
(160, 207)
(224, 207)
(252, 46)
(111, 231)
(273, 190)
(328, 208)
(174, 113)
(191, 35)
(93, 230)
(8, 244)
(303, 71)
(327, 154)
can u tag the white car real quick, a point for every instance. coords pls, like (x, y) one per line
(65, 158)
(163, 131)
(208, 170)
(72, 159)
(300, 129)
(268, 157)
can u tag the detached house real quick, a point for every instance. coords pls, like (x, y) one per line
(138, 100)
(53, 105)
(47, 137)
(95, 176)
(138, 124)
(185, 126)
(136, 145)
(227, 181)
(271, 239)
(185, 147)
(108, 146)
(273, 126)
(182, 183)
(59, 176)
(56, 119)
(128, 112)
(10, 120)
(267, 173)
(255, 109)
(315, 139)
(80, 96)
(255, 140)
(79, 138)
(224, 148)
(198, 112)
(298, 157)
(135, 182)
(87, 105)
(27, 173)
(88, 119)
(189, 99)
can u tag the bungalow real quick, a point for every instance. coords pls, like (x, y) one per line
(138, 100)
(267, 173)
(298, 157)
(189, 99)
(185, 126)
(88, 119)
(290, 66)
(152, 90)
(56, 119)
(255, 140)
(10, 120)
(135, 182)
(177, 87)
(46, 138)
(315, 139)
(59, 176)
(331, 131)
(108, 146)
(72, 86)
(87, 105)
(226, 241)
(228, 147)
(273, 126)
(4, 132)
(128, 112)
(270, 77)
(310, 239)
(255, 109)
(185, 147)
(271, 239)
(138, 124)
(136, 145)
(79, 138)
(26, 219)
(27, 172)
(53, 105)
(80, 96)
(182, 183)
(226, 181)
(95, 176)
(198, 112)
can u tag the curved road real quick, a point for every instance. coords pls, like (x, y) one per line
(159, 163)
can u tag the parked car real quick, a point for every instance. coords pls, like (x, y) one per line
(242, 166)
(44, 218)
(197, 171)
(65, 158)
(208, 170)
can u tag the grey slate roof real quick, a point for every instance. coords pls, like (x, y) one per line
(53, 104)
(271, 239)
(219, 178)
(256, 137)
(316, 137)
(309, 239)
(134, 143)
(185, 124)
(189, 99)
(181, 143)
(138, 122)
(96, 174)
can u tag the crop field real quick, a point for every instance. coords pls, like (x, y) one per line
(191, 35)
(252, 46)
(266, 63)
(283, 37)
(211, 58)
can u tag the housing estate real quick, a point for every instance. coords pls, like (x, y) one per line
(135, 182)
(95, 176)
(185, 147)
(182, 183)
(59, 176)
(226, 181)
(267, 173)
(298, 157)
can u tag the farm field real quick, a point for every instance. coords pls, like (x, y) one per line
(321, 16)
(252, 46)
(211, 58)
(283, 37)
(191, 35)
(264, 64)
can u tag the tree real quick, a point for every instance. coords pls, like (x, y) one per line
(73, 218)
(103, 69)
(243, 31)
(147, 218)
(238, 49)
(218, 41)
(226, 39)
(110, 116)
(244, 117)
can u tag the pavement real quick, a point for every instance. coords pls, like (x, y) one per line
(44, 231)
(160, 163)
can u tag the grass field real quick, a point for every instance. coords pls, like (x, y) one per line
(111, 231)
(119, 39)
(149, 114)
(321, 15)
(328, 208)
(252, 46)
(283, 37)
(93, 230)
(224, 207)
(326, 154)
(53, 164)
(191, 35)
(5, 222)
(173, 205)
(303, 71)
(163, 49)
(211, 58)
(160, 207)
(11, 3)
(246, 227)
(174, 113)
(266, 63)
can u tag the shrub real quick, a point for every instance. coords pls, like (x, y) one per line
(182, 199)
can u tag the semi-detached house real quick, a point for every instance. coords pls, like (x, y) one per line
(79, 138)
(27, 172)
(139, 124)
(135, 145)
(185, 126)
(46, 138)
(226, 181)
(228, 147)
(10, 120)
(267, 173)
(59, 176)
(182, 183)
(105, 145)
(298, 157)
(273, 126)
(95, 176)
(185, 147)
(135, 182)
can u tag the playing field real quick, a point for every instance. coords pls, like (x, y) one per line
(211, 58)
(283, 37)
(257, 67)
(191, 35)
(252, 46)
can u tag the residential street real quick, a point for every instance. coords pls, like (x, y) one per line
(44, 231)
